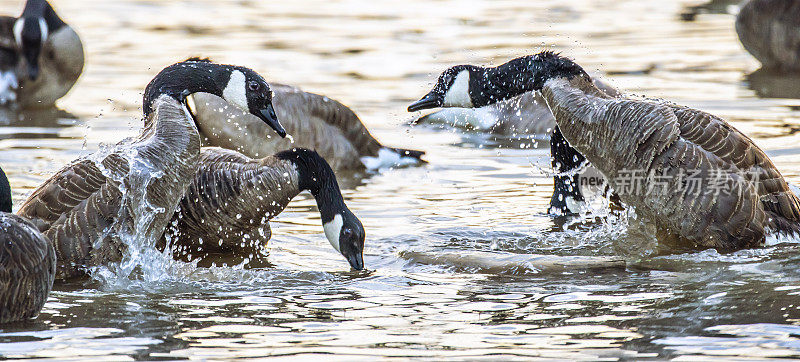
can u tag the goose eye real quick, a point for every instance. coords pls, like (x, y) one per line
(253, 86)
(348, 233)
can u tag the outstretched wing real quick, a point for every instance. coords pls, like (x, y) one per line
(716, 136)
(74, 208)
(232, 195)
(27, 268)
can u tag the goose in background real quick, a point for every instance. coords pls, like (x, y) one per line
(50, 55)
(131, 190)
(768, 30)
(525, 114)
(741, 195)
(227, 207)
(574, 179)
(27, 263)
(315, 122)
(9, 60)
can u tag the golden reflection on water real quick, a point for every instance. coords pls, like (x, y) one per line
(478, 195)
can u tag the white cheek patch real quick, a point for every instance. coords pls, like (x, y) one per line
(43, 29)
(18, 25)
(333, 229)
(458, 94)
(236, 90)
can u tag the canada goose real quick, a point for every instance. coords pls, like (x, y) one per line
(27, 263)
(768, 30)
(573, 179)
(132, 189)
(315, 122)
(9, 58)
(51, 55)
(232, 197)
(689, 172)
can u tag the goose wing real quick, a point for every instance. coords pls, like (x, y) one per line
(716, 136)
(27, 268)
(66, 190)
(295, 102)
(74, 208)
(232, 195)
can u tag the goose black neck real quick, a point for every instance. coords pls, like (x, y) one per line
(182, 79)
(316, 176)
(525, 74)
(5, 193)
(565, 159)
(42, 9)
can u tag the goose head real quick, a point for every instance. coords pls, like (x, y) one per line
(5, 193)
(240, 86)
(346, 234)
(342, 228)
(455, 87)
(31, 31)
(470, 86)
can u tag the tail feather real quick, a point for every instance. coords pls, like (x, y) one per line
(783, 225)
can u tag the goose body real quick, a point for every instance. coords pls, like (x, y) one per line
(653, 155)
(27, 263)
(624, 136)
(315, 122)
(51, 56)
(768, 30)
(228, 204)
(131, 190)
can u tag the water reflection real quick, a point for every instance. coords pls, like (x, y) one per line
(773, 84)
(449, 243)
(35, 123)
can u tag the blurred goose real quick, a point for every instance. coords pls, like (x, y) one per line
(9, 60)
(228, 204)
(132, 189)
(315, 122)
(768, 30)
(27, 263)
(710, 185)
(525, 113)
(51, 55)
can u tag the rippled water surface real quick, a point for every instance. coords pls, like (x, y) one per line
(463, 261)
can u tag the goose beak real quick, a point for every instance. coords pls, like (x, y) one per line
(33, 72)
(356, 261)
(270, 118)
(431, 100)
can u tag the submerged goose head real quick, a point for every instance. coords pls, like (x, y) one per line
(342, 228)
(239, 86)
(31, 31)
(470, 86)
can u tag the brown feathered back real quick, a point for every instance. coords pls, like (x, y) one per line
(629, 140)
(228, 204)
(27, 269)
(768, 30)
(81, 209)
